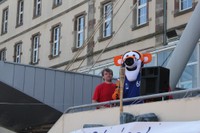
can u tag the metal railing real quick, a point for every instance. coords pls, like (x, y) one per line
(94, 105)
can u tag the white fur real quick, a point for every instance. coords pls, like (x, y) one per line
(132, 75)
(146, 59)
(119, 61)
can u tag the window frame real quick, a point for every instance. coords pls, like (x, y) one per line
(3, 54)
(102, 36)
(107, 19)
(178, 11)
(20, 13)
(35, 48)
(140, 7)
(55, 43)
(81, 31)
(37, 8)
(5, 14)
(17, 52)
(56, 3)
(135, 25)
(180, 7)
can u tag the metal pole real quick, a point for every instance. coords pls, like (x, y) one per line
(185, 47)
(122, 77)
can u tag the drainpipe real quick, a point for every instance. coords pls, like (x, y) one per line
(165, 22)
(91, 23)
(184, 48)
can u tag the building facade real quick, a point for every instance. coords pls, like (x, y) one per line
(84, 35)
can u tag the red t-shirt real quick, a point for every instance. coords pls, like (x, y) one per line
(103, 92)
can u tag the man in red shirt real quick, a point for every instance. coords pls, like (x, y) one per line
(103, 92)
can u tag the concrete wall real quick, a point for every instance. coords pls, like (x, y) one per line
(172, 110)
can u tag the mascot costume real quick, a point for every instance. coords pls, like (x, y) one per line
(132, 61)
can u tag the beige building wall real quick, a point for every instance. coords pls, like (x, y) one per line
(124, 37)
(42, 24)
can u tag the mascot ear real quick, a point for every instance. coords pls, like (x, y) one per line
(147, 58)
(118, 60)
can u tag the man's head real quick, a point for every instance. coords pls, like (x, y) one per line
(107, 74)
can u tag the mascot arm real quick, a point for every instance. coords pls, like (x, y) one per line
(116, 94)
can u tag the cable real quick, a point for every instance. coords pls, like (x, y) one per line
(84, 58)
(167, 58)
(112, 37)
(88, 40)
(109, 23)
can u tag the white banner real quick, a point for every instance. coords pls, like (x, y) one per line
(147, 127)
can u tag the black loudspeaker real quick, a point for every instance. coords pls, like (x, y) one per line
(154, 80)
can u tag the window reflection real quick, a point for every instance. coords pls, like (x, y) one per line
(163, 57)
(189, 77)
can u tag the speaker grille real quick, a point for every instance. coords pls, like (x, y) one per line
(154, 80)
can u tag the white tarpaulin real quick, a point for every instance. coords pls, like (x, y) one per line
(147, 127)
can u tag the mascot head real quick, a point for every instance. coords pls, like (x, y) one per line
(133, 62)
(130, 58)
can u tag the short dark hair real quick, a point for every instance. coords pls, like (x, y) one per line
(106, 70)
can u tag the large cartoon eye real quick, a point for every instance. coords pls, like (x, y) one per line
(125, 56)
(136, 55)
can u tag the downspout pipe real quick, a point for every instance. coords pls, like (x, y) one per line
(165, 22)
(185, 47)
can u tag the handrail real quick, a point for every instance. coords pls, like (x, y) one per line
(132, 99)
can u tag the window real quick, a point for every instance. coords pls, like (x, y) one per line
(163, 57)
(79, 31)
(20, 12)
(80, 25)
(5, 21)
(2, 1)
(35, 48)
(141, 12)
(190, 77)
(185, 4)
(107, 20)
(18, 52)
(57, 3)
(3, 54)
(37, 8)
(55, 40)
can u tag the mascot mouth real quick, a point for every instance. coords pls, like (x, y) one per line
(129, 61)
(131, 69)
